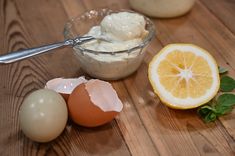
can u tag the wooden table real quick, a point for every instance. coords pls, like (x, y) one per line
(145, 126)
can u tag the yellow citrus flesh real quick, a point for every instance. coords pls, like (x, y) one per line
(184, 76)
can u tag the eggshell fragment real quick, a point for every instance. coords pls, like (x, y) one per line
(94, 103)
(65, 86)
(103, 95)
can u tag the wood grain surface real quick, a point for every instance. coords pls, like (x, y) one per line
(145, 127)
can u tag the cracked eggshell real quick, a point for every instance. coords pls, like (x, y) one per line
(94, 103)
(65, 86)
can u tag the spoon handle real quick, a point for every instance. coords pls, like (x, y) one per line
(22, 54)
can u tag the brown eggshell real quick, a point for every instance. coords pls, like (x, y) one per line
(84, 112)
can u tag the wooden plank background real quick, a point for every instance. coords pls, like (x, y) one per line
(145, 126)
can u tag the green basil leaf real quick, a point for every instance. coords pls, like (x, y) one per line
(207, 113)
(227, 84)
(205, 109)
(226, 100)
(225, 103)
(222, 70)
(210, 117)
(223, 110)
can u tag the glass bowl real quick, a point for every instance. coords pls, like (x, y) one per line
(106, 65)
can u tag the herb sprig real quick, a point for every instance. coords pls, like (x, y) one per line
(221, 105)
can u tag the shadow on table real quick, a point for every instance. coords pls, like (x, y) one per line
(102, 140)
(180, 120)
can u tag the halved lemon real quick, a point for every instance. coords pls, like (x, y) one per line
(184, 76)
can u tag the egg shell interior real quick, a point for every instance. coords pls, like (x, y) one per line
(65, 86)
(103, 95)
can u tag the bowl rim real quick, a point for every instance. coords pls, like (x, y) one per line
(144, 42)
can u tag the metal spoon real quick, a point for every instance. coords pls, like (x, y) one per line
(23, 54)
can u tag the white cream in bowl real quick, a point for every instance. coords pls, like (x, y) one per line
(124, 30)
